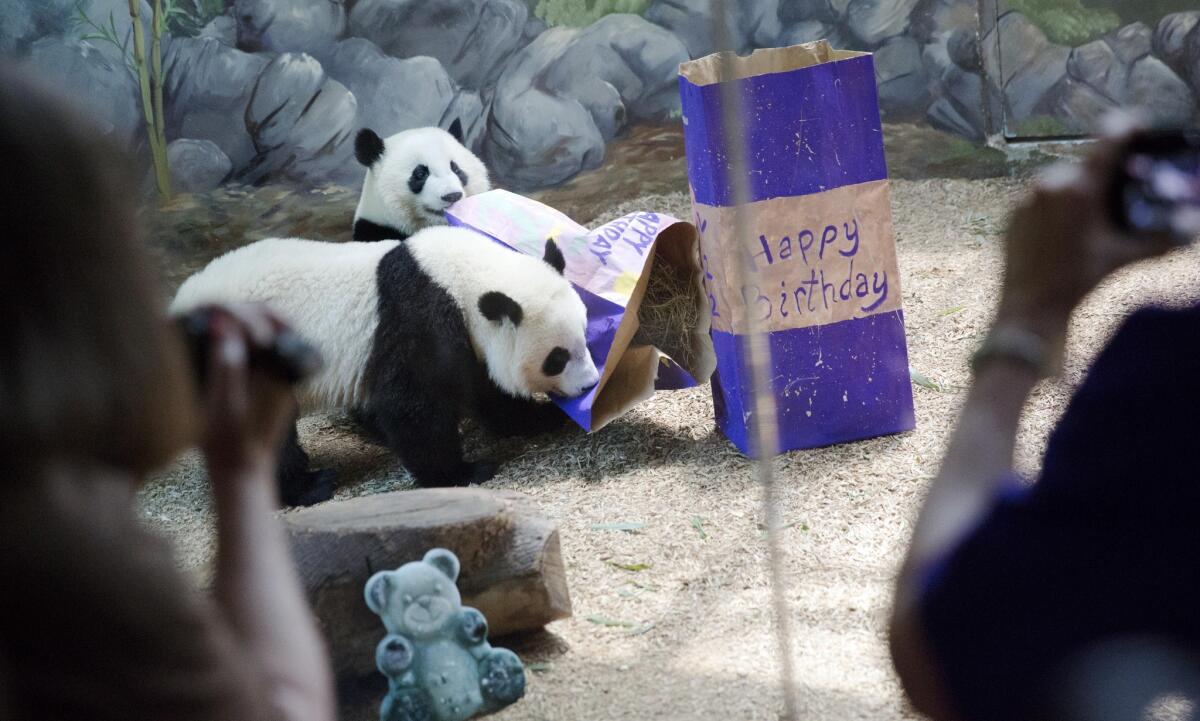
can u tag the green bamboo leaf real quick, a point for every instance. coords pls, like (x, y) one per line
(698, 524)
(952, 311)
(629, 566)
(923, 381)
(610, 622)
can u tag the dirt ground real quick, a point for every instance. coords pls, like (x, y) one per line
(691, 635)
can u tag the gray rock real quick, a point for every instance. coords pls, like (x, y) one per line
(208, 86)
(468, 108)
(1077, 104)
(1097, 66)
(962, 45)
(958, 105)
(792, 12)
(621, 67)
(931, 19)
(755, 24)
(97, 81)
(534, 26)
(873, 21)
(392, 94)
(536, 138)
(1132, 42)
(22, 22)
(222, 28)
(805, 31)
(281, 26)
(1171, 38)
(1155, 87)
(1032, 65)
(900, 76)
(472, 38)
(197, 166)
(836, 11)
(302, 124)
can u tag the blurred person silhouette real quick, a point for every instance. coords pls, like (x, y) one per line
(1073, 597)
(98, 622)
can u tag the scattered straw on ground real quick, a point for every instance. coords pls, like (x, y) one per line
(690, 636)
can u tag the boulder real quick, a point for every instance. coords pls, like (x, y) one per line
(537, 138)
(96, 80)
(1031, 84)
(1097, 66)
(931, 19)
(962, 45)
(301, 122)
(392, 94)
(622, 68)
(755, 24)
(281, 26)
(223, 28)
(873, 21)
(900, 76)
(958, 93)
(1158, 89)
(1131, 43)
(197, 166)
(1077, 104)
(1032, 64)
(1171, 38)
(807, 31)
(207, 88)
(471, 38)
(22, 22)
(792, 12)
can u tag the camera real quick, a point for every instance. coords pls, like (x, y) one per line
(1156, 190)
(289, 358)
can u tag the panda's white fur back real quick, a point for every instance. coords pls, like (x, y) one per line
(328, 292)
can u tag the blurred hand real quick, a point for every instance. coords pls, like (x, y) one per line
(246, 410)
(1061, 243)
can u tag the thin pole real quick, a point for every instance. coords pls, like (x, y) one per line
(764, 432)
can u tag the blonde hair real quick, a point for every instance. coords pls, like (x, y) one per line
(89, 367)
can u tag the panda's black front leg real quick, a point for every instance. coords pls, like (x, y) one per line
(299, 486)
(507, 415)
(427, 440)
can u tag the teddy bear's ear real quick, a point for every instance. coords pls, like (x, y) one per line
(444, 561)
(376, 592)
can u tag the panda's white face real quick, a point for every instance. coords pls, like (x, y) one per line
(414, 176)
(550, 353)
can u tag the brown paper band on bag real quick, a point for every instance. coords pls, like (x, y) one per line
(710, 69)
(810, 260)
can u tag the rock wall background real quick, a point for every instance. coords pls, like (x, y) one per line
(266, 91)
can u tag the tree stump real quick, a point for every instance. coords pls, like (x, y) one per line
(512, 566)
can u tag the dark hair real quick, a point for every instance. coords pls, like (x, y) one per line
(89, 369)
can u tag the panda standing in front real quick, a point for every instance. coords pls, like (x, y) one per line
(416, 334)
(412, 177)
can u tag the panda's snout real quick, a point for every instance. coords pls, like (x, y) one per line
(452, 197)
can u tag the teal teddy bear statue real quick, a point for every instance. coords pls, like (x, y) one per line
(436, 657)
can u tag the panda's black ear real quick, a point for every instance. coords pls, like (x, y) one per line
(554, 256)
(496, 306)
(456, 129)
(368, 146)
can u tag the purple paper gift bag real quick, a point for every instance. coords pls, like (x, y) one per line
(817, 268)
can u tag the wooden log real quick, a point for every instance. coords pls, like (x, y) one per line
(512, 567)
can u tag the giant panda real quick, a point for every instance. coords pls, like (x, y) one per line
(415, 334)
(412, 177)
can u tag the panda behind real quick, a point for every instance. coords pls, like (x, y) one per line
(412, 177)
(415, 335)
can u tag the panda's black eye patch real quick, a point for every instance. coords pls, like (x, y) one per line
(556, 361)
(416, 181)
(462, 177)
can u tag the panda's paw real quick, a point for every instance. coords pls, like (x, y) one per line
(480, 472)
(318, 489)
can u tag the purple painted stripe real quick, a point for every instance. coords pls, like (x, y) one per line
(834, 383)
(809, 130)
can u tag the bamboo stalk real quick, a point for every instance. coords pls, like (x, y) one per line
(157, 152)
(160, 162)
